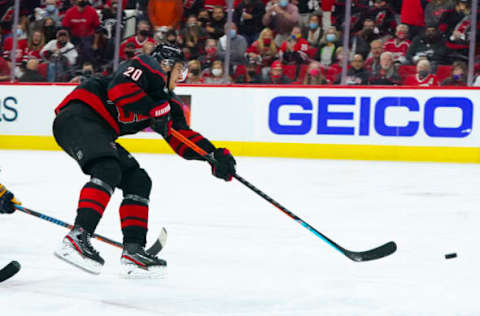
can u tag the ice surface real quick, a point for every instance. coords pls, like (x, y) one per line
(232, 253)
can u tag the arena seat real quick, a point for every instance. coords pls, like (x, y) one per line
(443, 72)
(406, 70)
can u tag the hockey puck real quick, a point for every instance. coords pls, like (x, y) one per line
(450, 255)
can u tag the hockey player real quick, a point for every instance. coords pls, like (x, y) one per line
(88, 122)
(7, 201)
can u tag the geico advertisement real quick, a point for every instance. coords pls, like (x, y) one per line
(423, 117)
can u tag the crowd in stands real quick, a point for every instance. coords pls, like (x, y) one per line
(409, 42)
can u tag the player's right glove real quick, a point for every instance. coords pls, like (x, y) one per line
(223, 165)
(161, 122)
(7, 200)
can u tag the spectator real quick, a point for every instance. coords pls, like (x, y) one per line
(457, 76)
(412, 15)
(428, 46)
(142, 36)
(61, 54)
(276, 75)
(82, 20)
(423, 77)
(388, 73)
(314, 31)
(22, 45)
(210, 53)
(194, 69)
(171, 37)
(31, 73)
(290, 56)
(238, 46)
(263, 50)
(307, 9)
(281, 16)
(383, 17)
(301, 45)
(193, 36)
(212, 4)
(314, 75)
(203, 18)
(86, 72)
(36, 41)
(360, 42)
(216, 73)
(326, 53)
(399, 44)
(109, 19)
(49, 29)
(130, 51)
(248, 16)
(435, 10)
(372, 63)
(52, 11)
(455, 27)
(4, 70)
(252, 75)
(215, 28)
(357, 74)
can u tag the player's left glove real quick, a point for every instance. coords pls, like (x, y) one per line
(7, 200)
(223, 165)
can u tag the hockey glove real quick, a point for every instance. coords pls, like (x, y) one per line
(162, 125)
(7, 200)
(161, 122)
(223, 165)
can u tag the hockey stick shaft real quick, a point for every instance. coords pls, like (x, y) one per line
(373, 254)
(64, 224)
(204, 154)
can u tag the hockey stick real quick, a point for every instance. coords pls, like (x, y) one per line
(9, 270)
(358, 256)
(157, 246)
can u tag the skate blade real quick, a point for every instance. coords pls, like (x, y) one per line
(132, 271)
(66, 253)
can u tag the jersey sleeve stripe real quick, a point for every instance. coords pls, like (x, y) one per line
(123, 90)
(131, 99)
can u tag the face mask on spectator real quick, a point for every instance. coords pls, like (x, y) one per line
(401, 35)
(314, 72)
(331, 37)
(457, 77)
(144, 33)
(20, 33)
(87, 73)
(267, 41)
(313, 25)
(423, 73)
(233, 33)
(195, 71)
(211, 50)
(203, 19)
(129, 53)
(252, 72)
(216, 72)
(283, 3)
(50, 8)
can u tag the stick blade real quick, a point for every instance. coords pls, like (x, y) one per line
(373, 254)
(159, 244)
(10, 270)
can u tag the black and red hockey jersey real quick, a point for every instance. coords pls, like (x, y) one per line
(131, 97)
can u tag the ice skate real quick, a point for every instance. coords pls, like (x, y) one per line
(137, 263)
(76, 249)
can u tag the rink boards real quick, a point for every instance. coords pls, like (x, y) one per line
(410, 124)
